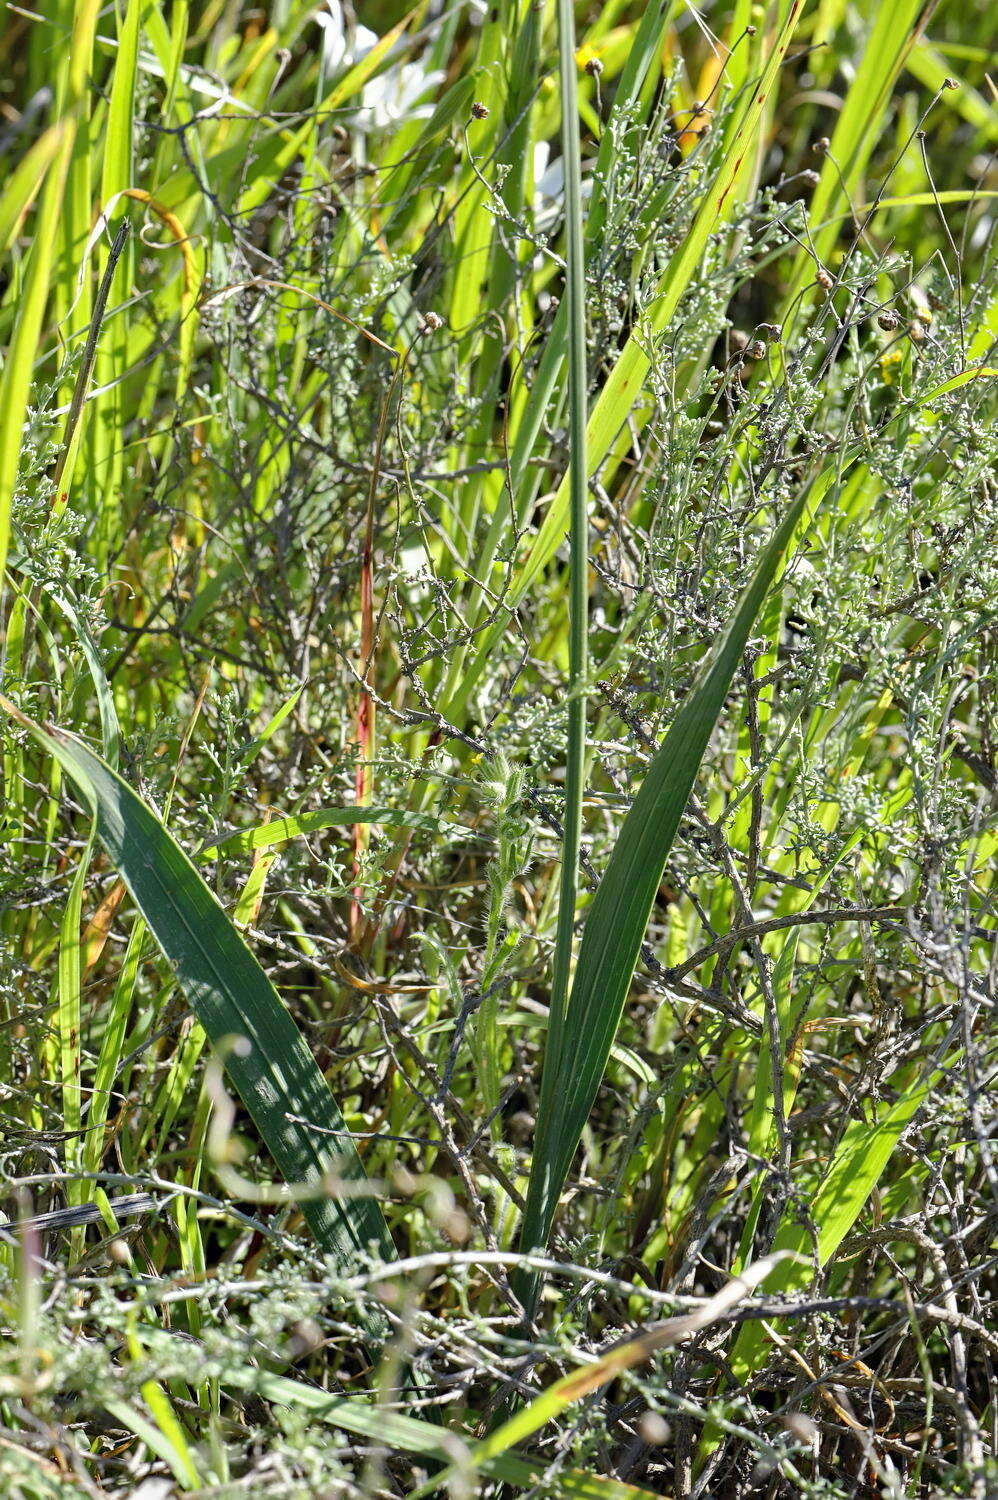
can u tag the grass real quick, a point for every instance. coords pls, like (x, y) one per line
(498, 749)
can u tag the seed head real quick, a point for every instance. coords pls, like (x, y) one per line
(479, 111)
(889, 320)
(824, 278)
(430, 322)
(822, 146)
(756, 350)
(594, 67)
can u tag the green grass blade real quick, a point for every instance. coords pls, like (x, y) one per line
(112, 1048)
(619, 914)
(273, 1071)
(891, 39)
(106, 711)
(25, 181)
(106, 421)
(854, 1172)
(298, 825)
(628, 374)
(625, 382)
(407, 1434)
(473, 216)
(157, 1440)
(530, 405)
(15, 382)
(624, 1355)
(117, 171)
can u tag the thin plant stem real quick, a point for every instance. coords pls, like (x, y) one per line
(578, 591)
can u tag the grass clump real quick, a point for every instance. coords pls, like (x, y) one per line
(499, 762)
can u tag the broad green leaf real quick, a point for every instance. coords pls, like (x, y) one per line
(617, 919)
(265, 1054)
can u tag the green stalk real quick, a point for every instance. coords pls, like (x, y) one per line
(578, 583)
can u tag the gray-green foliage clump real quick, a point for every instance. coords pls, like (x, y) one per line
(300, 567)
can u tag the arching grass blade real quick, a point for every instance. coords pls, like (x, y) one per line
(619, 914)
(272, 1069)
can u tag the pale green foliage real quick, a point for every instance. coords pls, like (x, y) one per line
(319, 334)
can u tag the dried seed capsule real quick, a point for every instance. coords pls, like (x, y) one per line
(594, 67)
(824, 278)
(889, 320)
(822, 146)
(756, 350)
(479, 111)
